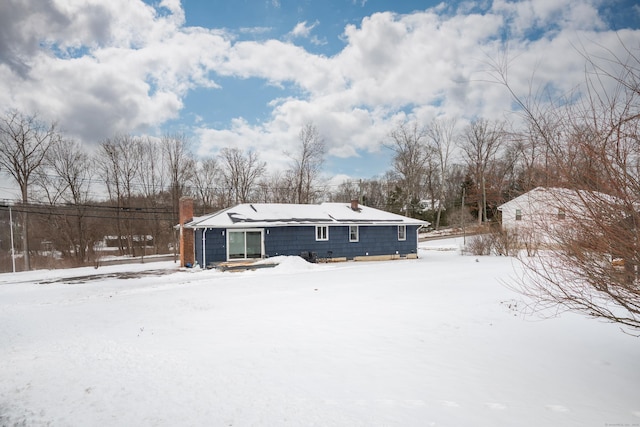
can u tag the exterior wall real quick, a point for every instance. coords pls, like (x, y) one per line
(540, 222)
(535, 216)
(529, 216)
(216, 245)
(373, 240)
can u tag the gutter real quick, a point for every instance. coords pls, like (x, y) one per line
(204, 249)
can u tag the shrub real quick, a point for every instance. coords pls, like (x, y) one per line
(480, 244)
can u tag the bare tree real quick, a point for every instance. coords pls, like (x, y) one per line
(370, 192)
(307, 163)
(241, 173)
(410, 161)
(67, 179)
(373, 193)
(180, 165)
(207, 180)
(277, 187)
(24, 143)
(153, 182)
(119, 160)
(108, 161)
(441, 135)
(593, 268)
(480, 144)
(153, 176)
(348, 190)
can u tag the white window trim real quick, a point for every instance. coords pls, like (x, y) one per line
(233, 230)
(404, 234)
(320, 238)
(357, 239)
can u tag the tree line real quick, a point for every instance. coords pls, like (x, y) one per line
(447, 171)
(440, 171)
(143, 179)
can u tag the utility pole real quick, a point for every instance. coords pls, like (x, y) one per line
(484, 199)
(462, 217)
(13, 253)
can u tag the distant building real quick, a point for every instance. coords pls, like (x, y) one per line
(543, 213)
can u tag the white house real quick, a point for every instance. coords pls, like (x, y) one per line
(528, 209)
(543, 214)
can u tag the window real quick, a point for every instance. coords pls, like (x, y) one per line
(561, 214)
(402, 232)
(353, 233)
(518, 214)
(244, 244)
(322, 232)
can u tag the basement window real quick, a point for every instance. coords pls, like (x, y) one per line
(322, 232)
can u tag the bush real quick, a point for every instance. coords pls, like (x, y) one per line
(480, 244)
(502, 242)
(506, 242)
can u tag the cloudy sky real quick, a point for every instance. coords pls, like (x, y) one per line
(251, 73)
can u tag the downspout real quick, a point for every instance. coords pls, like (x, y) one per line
(418, 239)
(204, 247)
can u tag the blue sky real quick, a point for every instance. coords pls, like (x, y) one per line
(266, 19)
(326, 22)
(251, 73)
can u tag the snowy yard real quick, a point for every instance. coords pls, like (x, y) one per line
(437, 341)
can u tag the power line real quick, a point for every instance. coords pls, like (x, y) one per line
(92, 211)
(68, 205)
(194, 189)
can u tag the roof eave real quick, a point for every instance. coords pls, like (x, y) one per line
(267, 224)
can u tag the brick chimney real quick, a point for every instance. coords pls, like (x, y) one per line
(354, 205)
(187, 235)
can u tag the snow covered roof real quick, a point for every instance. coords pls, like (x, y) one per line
(278, 214)
(557, 197)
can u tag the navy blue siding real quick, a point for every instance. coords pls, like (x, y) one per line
(216, 245)
(373, 240)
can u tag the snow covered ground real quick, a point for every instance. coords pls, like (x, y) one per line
(437, 341)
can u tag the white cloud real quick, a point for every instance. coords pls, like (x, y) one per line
(119, 66)
(524, 17)
(174, 6)
(318, 41)
(136, 66)
(424, 63)
(255, 30)
(279, 62)
(302, 29)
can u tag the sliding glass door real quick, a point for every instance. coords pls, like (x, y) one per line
(244, 244)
